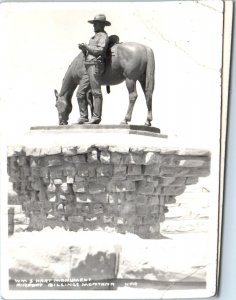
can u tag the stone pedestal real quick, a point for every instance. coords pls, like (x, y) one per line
(81, 180)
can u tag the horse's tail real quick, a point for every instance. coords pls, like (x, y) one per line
(150, 70)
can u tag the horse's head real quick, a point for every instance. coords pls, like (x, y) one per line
(61, 106)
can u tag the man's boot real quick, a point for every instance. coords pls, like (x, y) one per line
(97, 110)
(83, 108)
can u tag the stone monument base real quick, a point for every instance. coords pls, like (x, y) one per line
(111, 180)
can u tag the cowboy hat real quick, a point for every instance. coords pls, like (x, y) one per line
(100, 18)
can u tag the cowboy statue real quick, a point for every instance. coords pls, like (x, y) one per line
(94, 54)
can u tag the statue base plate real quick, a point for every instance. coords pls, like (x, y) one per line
(124, 128)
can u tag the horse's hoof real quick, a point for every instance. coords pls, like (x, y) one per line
(148, 123)
(63, 123)
(124, 122)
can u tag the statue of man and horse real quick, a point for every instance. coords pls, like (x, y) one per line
(105, 61)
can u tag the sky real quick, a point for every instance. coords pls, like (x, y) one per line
(39, 41)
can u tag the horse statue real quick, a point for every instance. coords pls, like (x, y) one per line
(127, 62)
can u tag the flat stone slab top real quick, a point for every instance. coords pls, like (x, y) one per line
(114, 138)
(127, 129)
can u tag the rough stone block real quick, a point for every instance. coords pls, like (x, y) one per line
(194, 161)
(97, 209)
(153, 169)
(51, 188)
(116, 158)
(194, 152)
(156, 179)
(166, 181)
(191, 180)
(95, 188)
(36, 185)
(152, 158)
(69, 171)
(119, 149)
(168, 160)
(12, 162)
(121, 186)
(57, 181)
(169, 151)
(173, 190)
(35, 172)
(119, 169)
(134, 170)
(83, 198)
(52, 150)
(44, 172)
(116, 198)
(79, 178)
(15, 176)
(70, 179)
(145, 188)
(75, 226)
(107, 219)
(174, 171)
(133, 158)
(86, 170)
(128, 208)
(92, 156)
(80, 187)
(170, 200)
(78, 219)
(153, 200)
(104, 170)
(70, 150)
(101, 197)
(137, 198)
(53, 161)
(79, 158)
(142, 210)
(155, 209)
(105, 157)
(23, 160)
(56, 173)
(102, 180)
(135, 177)
(199, 172)
(179, 181)
(52, 199)
(82, 149)
(29, 151)
(70, 210)
(113, 210)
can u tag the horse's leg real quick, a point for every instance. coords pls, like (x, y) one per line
(148, 96)
(131, 86)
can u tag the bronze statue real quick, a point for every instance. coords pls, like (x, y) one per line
(94, 53)
(105, 61)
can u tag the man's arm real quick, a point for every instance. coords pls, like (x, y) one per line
(98, 49)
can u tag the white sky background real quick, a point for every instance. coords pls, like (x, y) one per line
(39, 41)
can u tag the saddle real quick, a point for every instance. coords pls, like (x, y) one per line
(113, 39)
